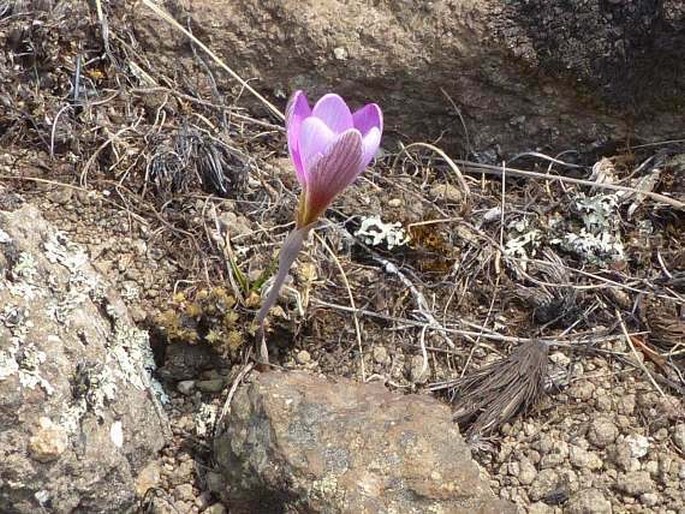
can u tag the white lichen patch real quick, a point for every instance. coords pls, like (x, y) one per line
(205, 419)
(598, 241)
(130, 348)
(522, 241)
(82, 285)
(24, 276)
(58, 249)
(373, 232)
(21, 356)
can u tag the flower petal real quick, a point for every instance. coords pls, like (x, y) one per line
(295, 113)
(334, 112)
(370, 143)
(314, 138)
(332, 173)
(368, 117)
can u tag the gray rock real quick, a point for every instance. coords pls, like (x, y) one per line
(527, 472)
(210, 386)
(293, 439)
(75, 389)
(635, 483)
(602, 432)
(186, 387)
(588, 501)
(679, 436)
(544, 484)
(380, 355)
(583, 459)
(621, 456)
(555, 456)
(529, 74)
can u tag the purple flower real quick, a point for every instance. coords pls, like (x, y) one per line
(329, 146)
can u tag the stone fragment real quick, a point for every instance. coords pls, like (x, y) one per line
(79, 416)
(635, 483)
(339, 446)
(602, 432)
(149, 477)
(48, 442)
(588, 501)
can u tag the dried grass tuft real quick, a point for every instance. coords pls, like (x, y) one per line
(493, 395)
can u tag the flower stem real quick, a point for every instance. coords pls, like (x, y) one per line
(289, 251)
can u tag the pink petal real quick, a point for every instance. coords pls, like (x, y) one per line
(370, 143)
(295, 113)
(314, 138)
(368, 117)
(332, 173)
(333, 111)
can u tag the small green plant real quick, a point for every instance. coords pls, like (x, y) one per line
(204, 315)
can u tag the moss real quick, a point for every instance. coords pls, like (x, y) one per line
(205, 315)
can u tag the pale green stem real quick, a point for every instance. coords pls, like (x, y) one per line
(289, 251)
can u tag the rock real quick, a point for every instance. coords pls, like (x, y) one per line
(380, 355)
(588, 501)
(293, 439)
(528, 74)
(303, 357)
(544, 484)
(527, 472)
(635, 483)
(210, 386)
(48, 442)
(679, 436)
(638, 444)
(149, 477)
(583, 459)
(75, 389)
(186, 387)
(602, 432)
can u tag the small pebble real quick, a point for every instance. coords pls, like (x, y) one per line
(380, 355)
(602, 432)
(303, 357)
(217, 508)
(635, 483)
(185, 386)
(210, 386)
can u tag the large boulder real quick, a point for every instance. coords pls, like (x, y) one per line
(548, 74)
(78, 416)
(294, 440)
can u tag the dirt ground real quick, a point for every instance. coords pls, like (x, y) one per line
(422, 275)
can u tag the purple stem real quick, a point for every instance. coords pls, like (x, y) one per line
(291, 247)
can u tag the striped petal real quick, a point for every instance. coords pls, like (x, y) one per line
(315, 138)
(295, 113)
(337, 168)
